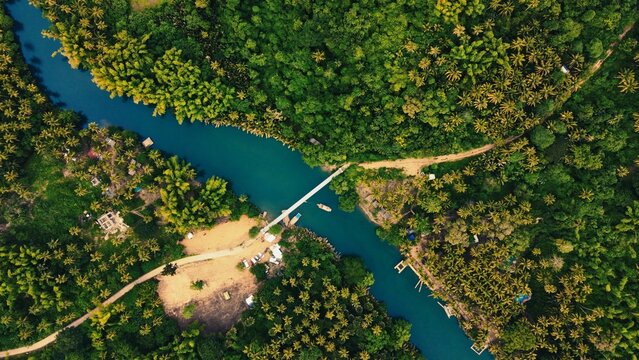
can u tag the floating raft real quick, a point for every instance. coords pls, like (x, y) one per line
(147, 142)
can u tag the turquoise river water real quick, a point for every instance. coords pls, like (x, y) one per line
(272, 175)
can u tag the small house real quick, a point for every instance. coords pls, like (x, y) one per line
(249, 301)
(564, 69)
(110, 142)
(112, 222)
(147, 142)
(384, 215)
(269, 237)
(95, 181)
(431, 177)
(276, 252)
(133, 165)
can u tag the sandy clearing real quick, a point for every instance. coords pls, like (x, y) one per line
(220, 275)
(222, 236)
(211, 309)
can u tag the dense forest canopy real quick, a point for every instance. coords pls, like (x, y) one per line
(56, 263)
(551, 216)
(319, 307)
(345, 80)
(56, 181)
(534, 244)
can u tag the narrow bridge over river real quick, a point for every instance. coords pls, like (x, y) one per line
(319, 187)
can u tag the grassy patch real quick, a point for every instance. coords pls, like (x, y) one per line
(139, 5)
(57, 207)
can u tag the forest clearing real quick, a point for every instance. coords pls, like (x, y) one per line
(219, 276)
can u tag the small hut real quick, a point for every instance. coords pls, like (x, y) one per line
(112, 222)
(147, 142)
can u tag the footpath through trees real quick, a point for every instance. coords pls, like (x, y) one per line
(413, 166)
(148, 276)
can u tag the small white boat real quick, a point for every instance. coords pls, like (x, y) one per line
(324, 207)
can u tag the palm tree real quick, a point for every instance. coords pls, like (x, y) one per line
(627, 81)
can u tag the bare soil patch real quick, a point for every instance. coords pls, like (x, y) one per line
(149, 197)
(221, 236)
(211, 309)
(413, 166)
(220, 275)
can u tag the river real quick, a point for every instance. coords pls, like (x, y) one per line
(272, 175)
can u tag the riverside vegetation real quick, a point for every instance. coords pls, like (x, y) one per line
(340, 80)
(56, 263)
(550, 216)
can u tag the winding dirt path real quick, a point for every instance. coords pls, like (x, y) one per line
(148, 276)
(413, 166)
(597, 65)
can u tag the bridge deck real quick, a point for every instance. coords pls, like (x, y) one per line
(319, 187)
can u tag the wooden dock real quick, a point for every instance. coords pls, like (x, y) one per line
(476, 349)
(400, 267)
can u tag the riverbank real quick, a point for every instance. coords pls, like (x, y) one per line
(269, 173)
(457, 308)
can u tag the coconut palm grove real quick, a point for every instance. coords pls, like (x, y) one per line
(493, 145)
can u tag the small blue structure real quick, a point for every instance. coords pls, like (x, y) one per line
(137, 189)
(411, 235)
(522, 298)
